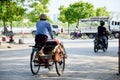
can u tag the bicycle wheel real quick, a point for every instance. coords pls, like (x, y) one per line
(60, 64)
(34, 64)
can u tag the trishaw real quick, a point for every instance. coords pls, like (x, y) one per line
(52, 53)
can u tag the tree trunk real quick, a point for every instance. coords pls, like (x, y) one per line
(68, 28)
(78, 23)
(4, 23)
(11, 26)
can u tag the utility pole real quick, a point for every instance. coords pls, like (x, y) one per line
(119, 55)
(119, 50)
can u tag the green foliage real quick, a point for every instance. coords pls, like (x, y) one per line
(38, 8)
(82, 10)
(62, 14)
(76, 11)
(102, 11)
(10, 11)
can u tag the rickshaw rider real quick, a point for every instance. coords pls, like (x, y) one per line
(43, 30)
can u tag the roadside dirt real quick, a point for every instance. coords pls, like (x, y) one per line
(9, 46)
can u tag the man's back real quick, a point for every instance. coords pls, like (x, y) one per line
(44, 28)
(101, 31)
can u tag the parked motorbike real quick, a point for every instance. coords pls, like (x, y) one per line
(99, 45)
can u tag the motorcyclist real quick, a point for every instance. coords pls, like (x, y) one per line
(103, 33)
(76, 32)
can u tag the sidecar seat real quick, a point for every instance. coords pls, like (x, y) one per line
(49, 46)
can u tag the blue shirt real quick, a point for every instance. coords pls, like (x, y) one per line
(44, 28)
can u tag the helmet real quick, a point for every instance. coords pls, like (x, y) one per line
(43, 17)
(102, 22)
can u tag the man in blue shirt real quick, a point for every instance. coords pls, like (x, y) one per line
(43, 31)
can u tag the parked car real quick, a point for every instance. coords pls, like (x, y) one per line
(56, 30)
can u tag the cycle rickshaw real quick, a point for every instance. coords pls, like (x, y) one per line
(52, 53)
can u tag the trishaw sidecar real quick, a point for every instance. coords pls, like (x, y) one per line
(51, 53)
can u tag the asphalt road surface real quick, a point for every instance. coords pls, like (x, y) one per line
(82, 63)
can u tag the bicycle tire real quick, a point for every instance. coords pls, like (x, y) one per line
(58, 70)
(60, 65)
(33, 67)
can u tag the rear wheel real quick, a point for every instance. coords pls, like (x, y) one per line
(60, 64)
(95, 49)
(104, 49)
(34, 65)
(95, 46)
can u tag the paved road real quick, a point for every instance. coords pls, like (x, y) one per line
(82, 63)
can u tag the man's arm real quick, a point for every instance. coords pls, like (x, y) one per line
(50, 32)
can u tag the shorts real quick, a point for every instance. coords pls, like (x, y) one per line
(40, 39)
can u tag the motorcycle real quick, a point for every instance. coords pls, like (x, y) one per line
(99, 45)
(73, 35)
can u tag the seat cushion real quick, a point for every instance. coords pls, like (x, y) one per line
(49, 46)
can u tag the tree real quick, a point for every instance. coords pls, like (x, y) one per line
(102, 11)
(17, 13)
(38, 8)
(76, 11)
(62, 14)
(10, 11)
(65, 15)
(81, 10)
